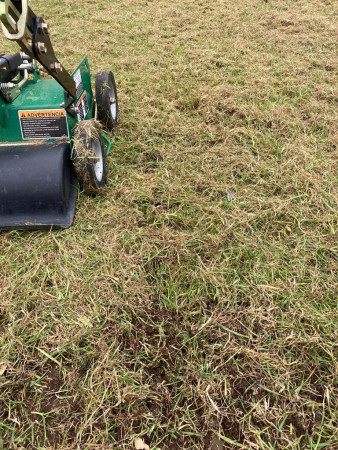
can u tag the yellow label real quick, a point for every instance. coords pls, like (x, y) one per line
(43, 114)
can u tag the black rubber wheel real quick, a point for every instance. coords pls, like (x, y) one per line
(106, 99)
(89, 156)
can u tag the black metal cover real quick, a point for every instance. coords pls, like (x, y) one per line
(38, 188)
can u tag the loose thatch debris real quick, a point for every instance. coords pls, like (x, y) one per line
(82, 155)
(85, 131)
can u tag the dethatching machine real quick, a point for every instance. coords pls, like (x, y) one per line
(51, 126)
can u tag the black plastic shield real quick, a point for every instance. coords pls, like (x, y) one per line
(38, 188)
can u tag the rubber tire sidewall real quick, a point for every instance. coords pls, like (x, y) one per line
(104, 85)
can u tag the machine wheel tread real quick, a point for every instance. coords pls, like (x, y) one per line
(106, 99)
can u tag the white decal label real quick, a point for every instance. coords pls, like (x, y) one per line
(78, 82)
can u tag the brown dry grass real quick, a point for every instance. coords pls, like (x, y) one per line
(194, 304)
(83, 156)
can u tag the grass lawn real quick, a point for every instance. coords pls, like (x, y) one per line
(193, 304)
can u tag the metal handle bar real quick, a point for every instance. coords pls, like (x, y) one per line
(14, 19)
(20, 24)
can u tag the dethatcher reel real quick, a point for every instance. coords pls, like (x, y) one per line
(51, 128)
